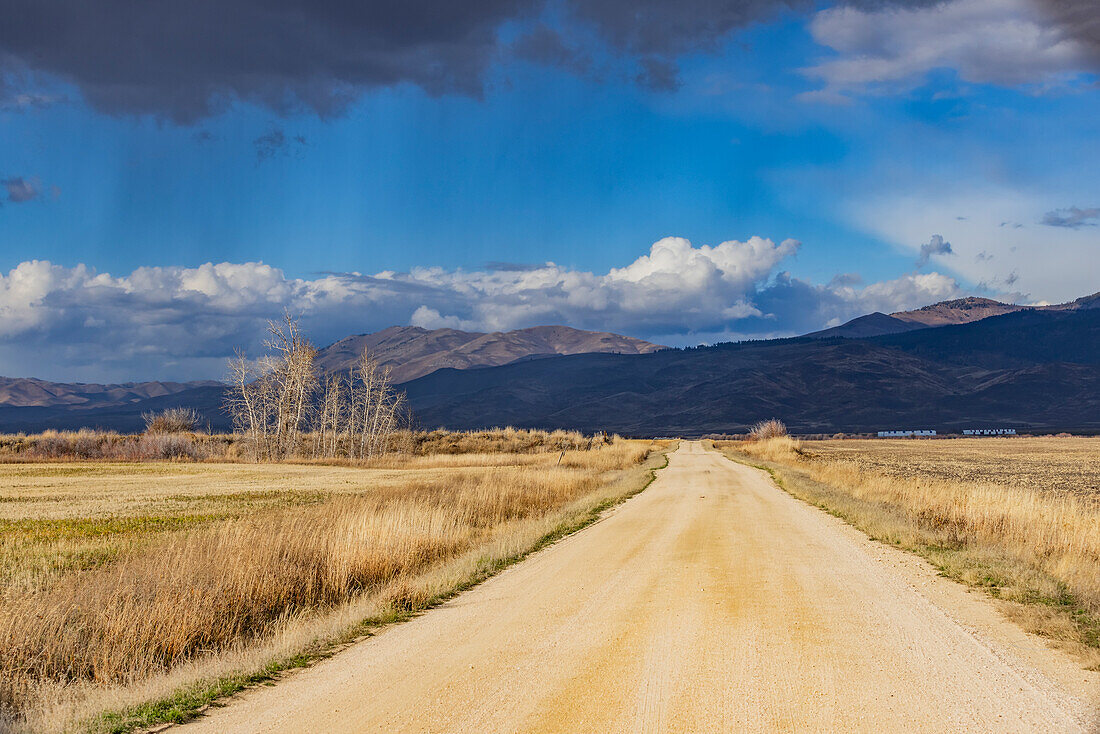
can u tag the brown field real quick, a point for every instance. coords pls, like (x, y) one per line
(123, 582)
(1019, 517)
(1043, 464)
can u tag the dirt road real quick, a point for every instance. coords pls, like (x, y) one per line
(712, 601)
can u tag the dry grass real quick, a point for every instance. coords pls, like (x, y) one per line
(1045, 464)
(498, 440)
(118, 575)
(89, 445)
(161, 443)
(782, 448)
(1035, 543)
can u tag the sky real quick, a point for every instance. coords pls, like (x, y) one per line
(174, 174)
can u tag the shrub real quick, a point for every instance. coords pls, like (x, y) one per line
(771, 428)
(172, 420)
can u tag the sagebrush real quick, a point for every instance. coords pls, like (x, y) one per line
(172, 420)
(764, 430)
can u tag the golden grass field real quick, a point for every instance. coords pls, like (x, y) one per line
(1019, 517)
(123, 583)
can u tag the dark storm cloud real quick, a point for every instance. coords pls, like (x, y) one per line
(661, 28)
(1079, 19)
(658, 74)
(186, 60)
(544, 45)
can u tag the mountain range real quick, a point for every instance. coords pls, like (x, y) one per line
(965, 363)
(944, 313)
(29, 404)
(410, 352)
(1030, 370)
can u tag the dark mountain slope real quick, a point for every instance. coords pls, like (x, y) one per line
(1015, 339)
(1035, 369)
(945, 313)
(873, 324)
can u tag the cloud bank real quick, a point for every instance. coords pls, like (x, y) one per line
(187, 60)
(172, 322)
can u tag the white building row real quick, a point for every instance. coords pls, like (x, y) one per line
(904, 434)
(989, 431)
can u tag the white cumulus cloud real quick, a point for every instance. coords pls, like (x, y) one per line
(181, 323)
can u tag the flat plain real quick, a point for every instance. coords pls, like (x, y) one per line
(114, 576)
(711, 602)
(1063, 464)
(134, 593)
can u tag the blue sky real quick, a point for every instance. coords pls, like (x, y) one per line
(860, 134)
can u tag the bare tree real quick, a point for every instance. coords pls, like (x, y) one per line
(294, 379)
(331, 415)
(249, 401)
(278, 399)
(376, 408)
(271, 398)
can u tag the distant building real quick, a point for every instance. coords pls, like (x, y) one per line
(989, 431)
(904, 434)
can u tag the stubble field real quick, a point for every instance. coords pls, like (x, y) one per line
(1045, 464)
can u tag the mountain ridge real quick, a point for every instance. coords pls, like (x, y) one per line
(30, 391)
(411, 351)
(1032, 368)
(1035, 370)
(955, 311)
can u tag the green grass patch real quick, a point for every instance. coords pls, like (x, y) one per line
(81, 528)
